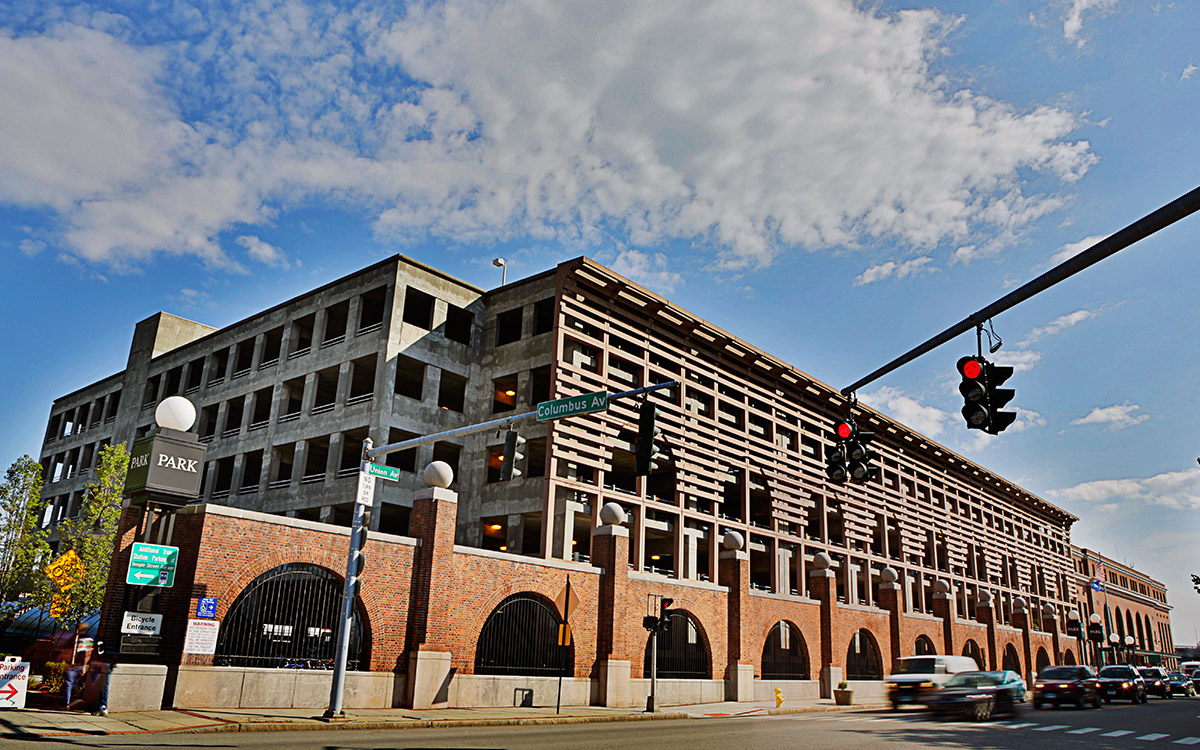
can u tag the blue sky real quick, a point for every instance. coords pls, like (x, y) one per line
(834, 182)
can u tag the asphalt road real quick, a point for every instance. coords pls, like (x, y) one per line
(1174, 723)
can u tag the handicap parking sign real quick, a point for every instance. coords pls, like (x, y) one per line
(207, 607)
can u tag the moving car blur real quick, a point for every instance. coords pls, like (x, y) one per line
(975, 695)
(1157, 681)
(1071, 685)
(1122, 682)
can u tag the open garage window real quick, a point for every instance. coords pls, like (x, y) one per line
(520, 637)
(287, 617)
(682, 650)
(784, 655)
(862, 658)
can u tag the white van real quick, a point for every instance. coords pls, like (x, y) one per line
(917, 676)
(1187, 667)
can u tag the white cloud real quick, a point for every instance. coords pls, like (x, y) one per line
(1187, 72)
(1116, 417)
(1027, 419)
(1070, 250)
(1058, 325)
(1178, 489)
(1073, 21)
(263, 252)
(1020, 360)
(648, 269)
(892, 269)
(756, 127)
(927, 420)
(30, 248)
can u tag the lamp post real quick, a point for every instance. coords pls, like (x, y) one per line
(1095, 636)
(1114, 642)
(502, 264)
(1129, 641)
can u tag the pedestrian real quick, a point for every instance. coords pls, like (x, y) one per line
(80, 657)
(98, 676)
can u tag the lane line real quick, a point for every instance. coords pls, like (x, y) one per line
(1052, 728)
(1151, 737)
(1118, 733)
(1022, 726)
(1085, 730)
(1187, 741)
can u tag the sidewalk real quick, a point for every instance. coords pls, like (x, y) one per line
(50, 723)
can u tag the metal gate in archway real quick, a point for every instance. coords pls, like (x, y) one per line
(520, 637)
(287, 618)
(682, 651)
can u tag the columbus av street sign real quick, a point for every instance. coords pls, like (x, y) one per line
(569, 407)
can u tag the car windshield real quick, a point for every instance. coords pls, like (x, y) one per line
(1196, 674)
(915, 666)
(1117, 672)
(973, 680)
(1059, 673)
(1149, 673)
(1177, 676)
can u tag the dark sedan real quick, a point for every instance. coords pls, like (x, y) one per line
(1181, 683)
(1122, 682)
(1072, 686)
(976, 695)
(1157, 681)
(1196, 680)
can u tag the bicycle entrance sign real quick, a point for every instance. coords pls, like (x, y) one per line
(568, 407)
(152, 565)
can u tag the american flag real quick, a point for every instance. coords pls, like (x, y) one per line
(1097, 583)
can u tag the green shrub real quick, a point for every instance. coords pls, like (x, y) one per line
(55, 676)
(841, 685)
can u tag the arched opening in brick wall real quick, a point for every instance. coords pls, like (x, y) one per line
(971, 649)
(682, 650)
(1069, 658)
(785, 655)
(1043, 659)
(1120, 625)
(1149, 635)
(863, 661)
(1012, 660)
(520, 637)
(1141, 634)
(924, 646)
(287, 618)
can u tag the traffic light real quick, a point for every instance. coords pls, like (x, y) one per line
(664, 612)
(650, 457)
(860, 455)
(983, 397)
(837, 467)
(512, 454)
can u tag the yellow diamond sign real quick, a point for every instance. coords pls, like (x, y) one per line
(66, 571)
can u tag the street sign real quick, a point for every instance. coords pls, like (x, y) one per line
(14, 680)
(379, 470)
(569, 407)
(152, 565)
(66, 571)
(567, 601)
(59, 604)
(366, 489)
(207, 607)
(141, 623)
(201, 637)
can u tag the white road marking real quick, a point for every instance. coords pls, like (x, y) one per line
(1151, 737)
(1021, 726)
(1085, 730)
(1051, 728)
(1188, 741)
(1118, 733)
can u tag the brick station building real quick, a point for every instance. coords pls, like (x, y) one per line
(779, 577)
(1131, 604)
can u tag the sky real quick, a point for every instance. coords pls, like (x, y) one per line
(834, 182)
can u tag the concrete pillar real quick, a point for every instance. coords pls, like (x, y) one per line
(515, 533)
(735, 574)
(343, 383)
(334, 460)
(564, 527)
(239, 466)
(256, 357)
(689, 568)
(824, 589)
(310, 393)
(781, 582)
(326, 514)
(433, 521)
(943, 608)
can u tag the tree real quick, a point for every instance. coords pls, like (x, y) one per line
(100, 509)
(23, 547)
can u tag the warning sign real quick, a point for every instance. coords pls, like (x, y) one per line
(14, 680)
(201, 637)
(66, 571)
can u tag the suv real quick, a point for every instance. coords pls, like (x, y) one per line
(916, 677)
(1157, 681)
(1072, 685)
(1122, 682)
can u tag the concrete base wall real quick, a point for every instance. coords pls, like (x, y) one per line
(793, 690)
(136, 687)
(247, 687)
(678, 692)
(492, 690)
(868, 689)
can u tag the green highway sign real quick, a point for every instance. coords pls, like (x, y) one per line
(152, 565)
(569, 407)
(383, 472)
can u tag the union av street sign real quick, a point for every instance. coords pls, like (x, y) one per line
(152, 565)
(568, 407)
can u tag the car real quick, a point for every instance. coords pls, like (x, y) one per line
(1181, 683)
(917, 676)
(1013, 683)
(975, 695)
(1157, 682)
(1066, 685)
(1195, 677)
(1189, 667)
(1121, 682)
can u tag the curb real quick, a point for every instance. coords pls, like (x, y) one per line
(827, 709)
(292, 726)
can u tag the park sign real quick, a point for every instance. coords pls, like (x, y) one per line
(572, 405)
(168, 465)
(152, 565)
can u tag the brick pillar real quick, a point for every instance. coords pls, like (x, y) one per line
(1050, 624)
(434, 515)
(943, 608)
(735, 573)
(891, 598)
(1020, 618)
(615, 633)
(824, 590)
(985, 614)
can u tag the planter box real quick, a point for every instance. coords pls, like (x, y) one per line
(843, 697)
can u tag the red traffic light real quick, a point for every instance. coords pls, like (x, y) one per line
(844, 430)
(970, 368)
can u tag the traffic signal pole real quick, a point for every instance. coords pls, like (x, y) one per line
(1177, 209)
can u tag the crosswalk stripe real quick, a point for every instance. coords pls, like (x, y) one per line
(1151, 737)
(1084, 730)
(1118, 733)
(1188, 741)
(1051, 728)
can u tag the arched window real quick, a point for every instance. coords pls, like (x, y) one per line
(971, 649)
(924, 646)
(1149, 635)
(1043, 659)
(1128, 623)
(682, 650)
(784, 655)
(1069, 658)
(1120, 625)
(862, 658)
(1141, 634)
(520, 637)
(287, 617)
(1012, 661)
